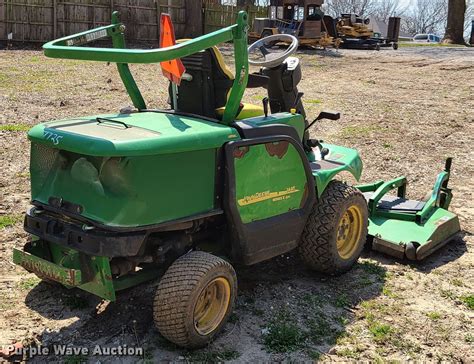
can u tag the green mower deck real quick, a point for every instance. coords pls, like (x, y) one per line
(410, 228)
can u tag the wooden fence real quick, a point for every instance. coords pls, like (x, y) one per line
(42, 20)
(218, 16)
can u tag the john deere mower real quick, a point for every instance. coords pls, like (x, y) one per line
(180, 194)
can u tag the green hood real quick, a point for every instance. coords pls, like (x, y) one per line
(144, 133)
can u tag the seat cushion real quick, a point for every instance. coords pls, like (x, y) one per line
(248, 111)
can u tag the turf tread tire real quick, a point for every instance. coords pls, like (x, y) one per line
(177, 293)
(317, 247)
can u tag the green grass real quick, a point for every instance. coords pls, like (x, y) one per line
(319, 329)
(457, 282)
(312, 300)
(313, 101)
(75, 359)
(283, 334)
(388, 292)
(6, 303)
(469, 338)
(374, 269)
(364, 281)
(29, 283)
(348, 353)
(343, 320)
(435, 316)
(354, 131)
(15, 127)
(386, 145)
(9, 220)
(380, 332)
(468, 301)
(212, 356)
(342, 301)
(446, 293)
(258, 97)
(26, 80)
(411, 45)
(314, 355)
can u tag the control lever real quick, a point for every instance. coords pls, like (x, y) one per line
(298, 99)
(265, 106)
(330, 115)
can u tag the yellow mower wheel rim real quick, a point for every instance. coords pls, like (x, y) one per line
(349, 231)
(211, 306)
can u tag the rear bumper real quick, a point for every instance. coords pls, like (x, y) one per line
(98, 242)
(47, 269)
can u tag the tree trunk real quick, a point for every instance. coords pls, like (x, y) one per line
(455, 27)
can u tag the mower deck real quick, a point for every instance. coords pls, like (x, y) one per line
(410, 228)
(402, 238)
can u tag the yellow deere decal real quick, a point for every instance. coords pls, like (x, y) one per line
(267, 195)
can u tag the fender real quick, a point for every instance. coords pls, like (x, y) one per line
(338, 160)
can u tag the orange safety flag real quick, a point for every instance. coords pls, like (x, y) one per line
(174, 69)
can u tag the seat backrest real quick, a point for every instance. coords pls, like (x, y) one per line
(210, 84)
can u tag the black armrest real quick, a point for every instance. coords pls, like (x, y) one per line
(257, 80)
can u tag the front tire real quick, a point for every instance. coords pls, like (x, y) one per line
(336, 230)
(194, 299)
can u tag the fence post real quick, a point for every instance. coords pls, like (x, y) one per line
(158, 19)
(55, 19)
(3, 18)
(194, 18)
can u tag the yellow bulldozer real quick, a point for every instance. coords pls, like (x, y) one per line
(355, 33)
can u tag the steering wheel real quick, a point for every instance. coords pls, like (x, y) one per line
(272, 59)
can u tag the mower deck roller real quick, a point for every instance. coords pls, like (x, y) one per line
(179, 194)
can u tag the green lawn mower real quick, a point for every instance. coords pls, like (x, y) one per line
(178, 194)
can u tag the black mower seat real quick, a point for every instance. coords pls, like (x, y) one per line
(207, 92)
(394, 203)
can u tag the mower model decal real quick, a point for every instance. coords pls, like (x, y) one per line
(267, 195)
(53, 137)
(268, 182)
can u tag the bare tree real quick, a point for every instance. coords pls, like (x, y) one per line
(388, 8)
(469, 17)
(362, 8)
(455, 25)
(426, 16)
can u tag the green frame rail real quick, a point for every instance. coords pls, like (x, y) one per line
(70, 47)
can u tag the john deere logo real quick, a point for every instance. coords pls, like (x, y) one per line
(268, 195)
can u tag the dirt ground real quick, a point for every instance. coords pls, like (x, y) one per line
(405, 111)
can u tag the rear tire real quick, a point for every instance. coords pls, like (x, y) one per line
(336, 230)
(194, 299)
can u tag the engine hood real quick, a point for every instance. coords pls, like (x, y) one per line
(143, 133)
